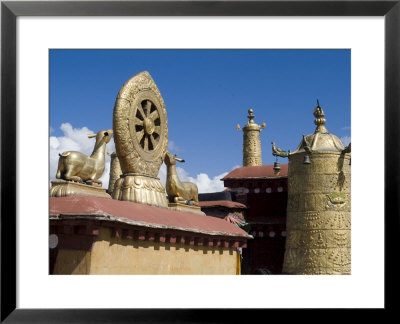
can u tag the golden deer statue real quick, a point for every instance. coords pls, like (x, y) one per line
(179, 192)
(76, 166)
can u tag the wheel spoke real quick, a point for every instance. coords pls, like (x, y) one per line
(141, 111)
(154, 115)
(138, 121)
(157, 130)
(140, 135)
(146, 143)
(148, 107)
(153, 141)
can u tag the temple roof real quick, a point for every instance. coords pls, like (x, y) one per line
(259, 171)
(320, 142)
(83, 207)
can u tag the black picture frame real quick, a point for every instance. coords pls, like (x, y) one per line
(10, 10)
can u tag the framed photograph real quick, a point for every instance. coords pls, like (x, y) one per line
(36, 34)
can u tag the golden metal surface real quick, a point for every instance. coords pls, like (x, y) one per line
(76, 166)
(321, 140)
(141, 139)
(140, 126)
(251, 141)
(319, 205)
(140, 189)
(319, 119)
(185, 208)
(276, 151)
(179, 192)
(115, 172)
(69, 188)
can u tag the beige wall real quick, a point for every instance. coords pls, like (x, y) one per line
(111, 255)
(72, 262)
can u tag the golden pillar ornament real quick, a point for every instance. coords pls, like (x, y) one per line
(251, 141)
(141, 138)
(319, 203)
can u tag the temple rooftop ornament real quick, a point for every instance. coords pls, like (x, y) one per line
(182, 196)
(79, 173)
(251, 141)
(141, 137)
(319, 203)
(277, 167)
(321, 140)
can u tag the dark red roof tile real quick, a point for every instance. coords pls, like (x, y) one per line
(262, 171)
(141, 215)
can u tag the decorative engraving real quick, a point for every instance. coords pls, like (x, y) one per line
(251, 141)
(140, 189)
(339, 258)
(336, 201)
(338, 220)
(312, 220)
(141, 138)
(319, 202)
(140, 126)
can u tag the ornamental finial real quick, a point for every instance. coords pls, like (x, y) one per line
(251, 116)
(319, 119)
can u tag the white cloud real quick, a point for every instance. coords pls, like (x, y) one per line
(202, 180)
(205, 184)
(172, 147)
(345, 140)
(75, 139)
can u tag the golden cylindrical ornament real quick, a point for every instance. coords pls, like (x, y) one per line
(251, 141)
(251, 147)
(318, 215)
(318, 223)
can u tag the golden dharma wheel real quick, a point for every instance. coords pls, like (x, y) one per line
(140, 126)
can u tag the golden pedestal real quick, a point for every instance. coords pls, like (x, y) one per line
(185, 208)
(140, 189)
(69, 188)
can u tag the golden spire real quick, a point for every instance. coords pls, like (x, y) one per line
(251, 141)
(320, 120)
(321, 140)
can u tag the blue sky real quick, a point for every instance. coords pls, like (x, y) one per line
(206, 93)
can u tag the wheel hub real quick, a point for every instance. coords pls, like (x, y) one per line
(148, 125)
